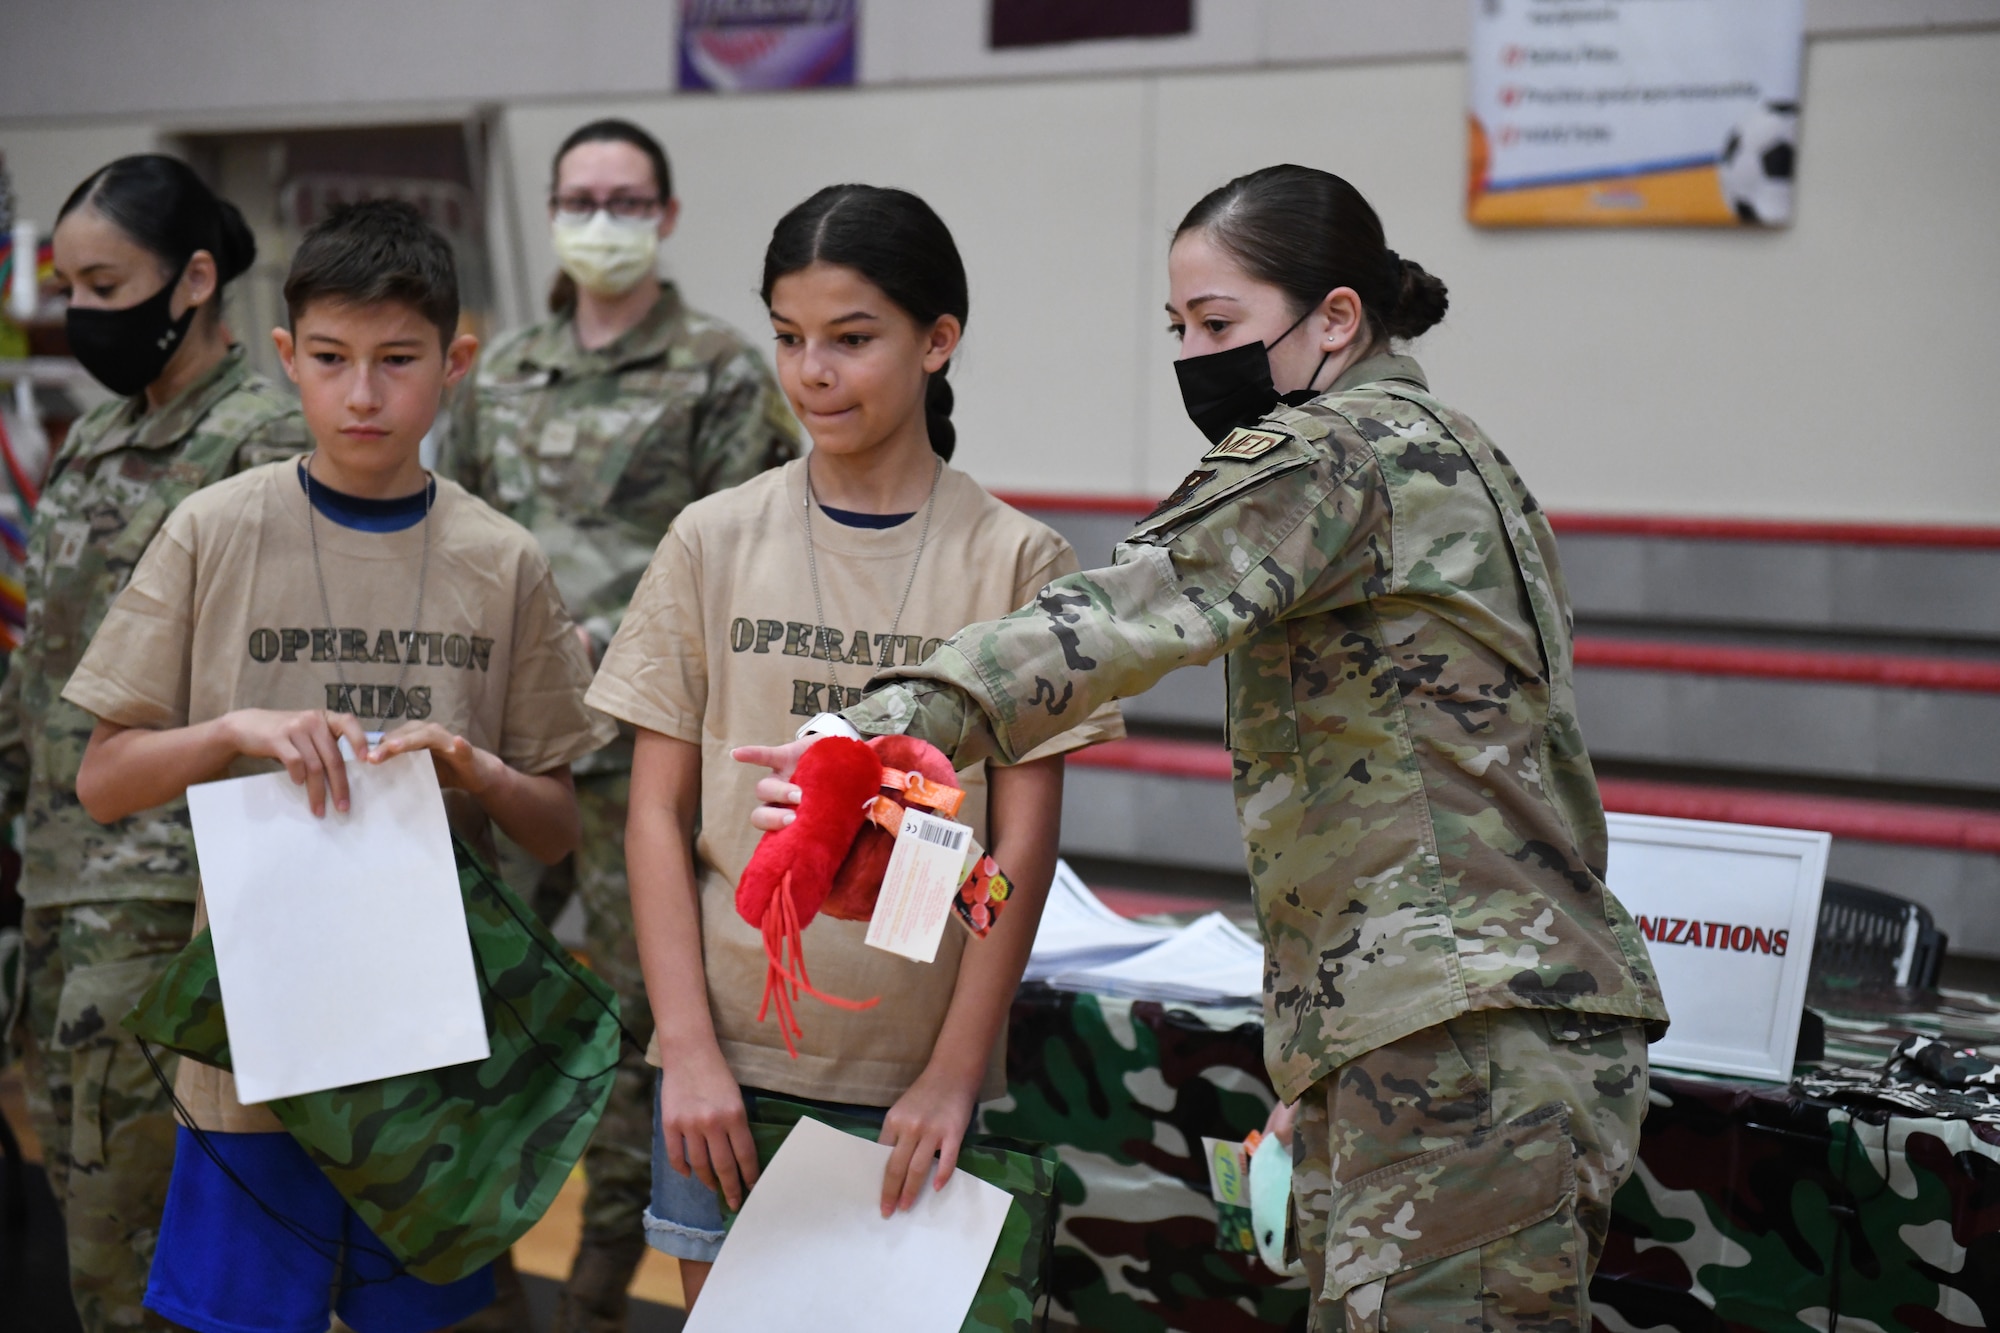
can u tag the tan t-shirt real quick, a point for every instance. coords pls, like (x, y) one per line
(719, 649)
(223, 612)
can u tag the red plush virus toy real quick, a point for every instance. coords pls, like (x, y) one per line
(791, 872)
(832, 857)
(914, 773)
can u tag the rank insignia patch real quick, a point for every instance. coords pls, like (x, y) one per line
(1244, 443)
(1191, 483)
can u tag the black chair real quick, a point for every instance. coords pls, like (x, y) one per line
(1871, 940)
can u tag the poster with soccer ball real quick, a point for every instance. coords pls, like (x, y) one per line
(1634, 112)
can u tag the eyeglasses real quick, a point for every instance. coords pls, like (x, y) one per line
(626, 207)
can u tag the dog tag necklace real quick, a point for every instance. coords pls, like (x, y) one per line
(819, 608)
(326, 605)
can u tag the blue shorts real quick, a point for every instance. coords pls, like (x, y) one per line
(684, 1218)
(224, 1265)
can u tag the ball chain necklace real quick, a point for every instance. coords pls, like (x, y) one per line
(326, 605)
(812, 565)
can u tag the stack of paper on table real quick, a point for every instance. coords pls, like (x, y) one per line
(1208, 961)
(1079, 932)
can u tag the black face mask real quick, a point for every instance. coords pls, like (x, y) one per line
(1232, 388)
(125, 350)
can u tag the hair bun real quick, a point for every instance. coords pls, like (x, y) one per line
(1421, 302)
(938, 400)
(1308, 232)
(165, 208)
(236, 250)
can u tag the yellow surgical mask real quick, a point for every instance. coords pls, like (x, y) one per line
(607, 256)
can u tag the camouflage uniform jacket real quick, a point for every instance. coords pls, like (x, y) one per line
(596, 452)
(1423, 826)
(120, 473)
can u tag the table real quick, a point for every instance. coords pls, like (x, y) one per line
(1752, 1208)
(1125, 1091)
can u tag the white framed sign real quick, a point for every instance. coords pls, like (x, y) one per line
(1604, 113)
(1728, 912)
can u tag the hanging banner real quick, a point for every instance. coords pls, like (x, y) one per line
(1634, 112)
(733, 46)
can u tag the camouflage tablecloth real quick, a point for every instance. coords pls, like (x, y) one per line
(1125, 1090)
(1753, 1208)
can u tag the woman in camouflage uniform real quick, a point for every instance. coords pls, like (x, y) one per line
(144, 249)
(1456, 1004)
(593, 429)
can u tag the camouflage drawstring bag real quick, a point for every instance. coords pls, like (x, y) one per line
(1017, 1277)
(451, 1166)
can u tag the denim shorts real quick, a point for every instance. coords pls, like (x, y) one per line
(684, 1218)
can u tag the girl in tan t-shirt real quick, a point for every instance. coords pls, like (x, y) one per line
(772, 602)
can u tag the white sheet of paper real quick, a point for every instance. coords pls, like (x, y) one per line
(811, 1248)
(340, 942)
(1078, 931)
(1207, 960)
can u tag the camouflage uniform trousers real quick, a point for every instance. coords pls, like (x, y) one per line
(1461, 1178)
(105, 1123)
(619, 1163)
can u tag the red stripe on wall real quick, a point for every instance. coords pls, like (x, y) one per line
(1162, 758)
(1110, 506)
(1779, 530)
(1151, 902)
(1619, 525)
(1903, 672)
(1845, 817)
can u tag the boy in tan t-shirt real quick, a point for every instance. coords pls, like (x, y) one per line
(291, 608)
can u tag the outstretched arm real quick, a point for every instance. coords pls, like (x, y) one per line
(1188, 586)
(1244, 545)
(999, 689)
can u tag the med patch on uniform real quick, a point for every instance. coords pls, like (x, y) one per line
(1244, 443)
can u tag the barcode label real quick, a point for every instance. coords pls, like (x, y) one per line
(951, 837)
(919, 886)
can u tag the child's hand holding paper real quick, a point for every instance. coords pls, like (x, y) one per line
(460, 763)
(306, 742)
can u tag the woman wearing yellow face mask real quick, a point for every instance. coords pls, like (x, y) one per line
(594, 429)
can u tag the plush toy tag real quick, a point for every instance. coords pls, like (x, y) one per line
(1229, 1186)
(925, 871)
(983, 893)
(917, 789)
(1228, 1171)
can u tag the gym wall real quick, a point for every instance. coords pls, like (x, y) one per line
(1833, 370)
